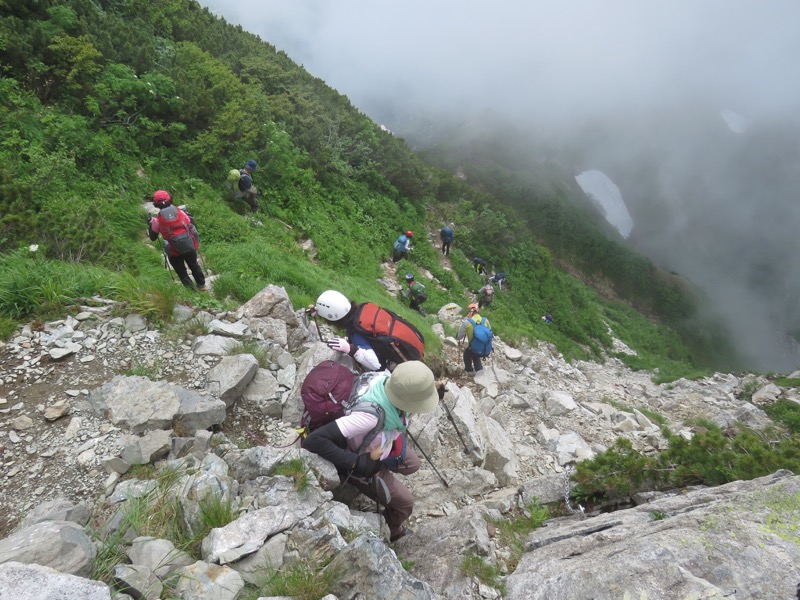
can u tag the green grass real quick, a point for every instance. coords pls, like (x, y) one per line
(254, 348)
(786, 382)
(651, 414)
(7, 328)
(476, 566)
(303, 581)
(297, 470)
(512, 531)
(158, 514)
(785, 412)
(152, 370)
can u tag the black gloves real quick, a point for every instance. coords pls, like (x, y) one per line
(365, 466)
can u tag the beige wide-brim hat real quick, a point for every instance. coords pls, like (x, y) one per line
(411, 388)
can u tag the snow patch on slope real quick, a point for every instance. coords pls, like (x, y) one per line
(606, 194)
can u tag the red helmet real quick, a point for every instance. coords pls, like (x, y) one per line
(409, 234)
(161, 198)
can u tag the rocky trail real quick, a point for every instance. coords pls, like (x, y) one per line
(86, 399)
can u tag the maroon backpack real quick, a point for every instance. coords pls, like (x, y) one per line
(324, 392)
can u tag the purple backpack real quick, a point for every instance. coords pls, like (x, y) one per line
(325, 392)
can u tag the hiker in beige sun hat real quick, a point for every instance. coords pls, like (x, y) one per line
(411, 388)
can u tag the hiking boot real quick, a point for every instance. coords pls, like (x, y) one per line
(403, 533)
(202, 288)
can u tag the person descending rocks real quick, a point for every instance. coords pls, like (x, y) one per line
(370, 464)
(446, 235)
(244, 189)
(376, 338)
(181, 241)
(402, 246)
(486, 295)
(416, 293)
(479, 265)
(479, 336)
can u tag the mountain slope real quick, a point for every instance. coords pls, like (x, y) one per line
(104, 103)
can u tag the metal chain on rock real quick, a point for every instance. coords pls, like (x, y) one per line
(567, 502)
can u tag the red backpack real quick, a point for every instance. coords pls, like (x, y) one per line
(178, 230)
(392, 337)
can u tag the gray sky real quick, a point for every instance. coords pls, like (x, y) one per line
(542, 60)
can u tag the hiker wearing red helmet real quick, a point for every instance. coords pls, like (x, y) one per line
(181, 242)
(402, 246)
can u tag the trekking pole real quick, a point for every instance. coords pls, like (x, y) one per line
(458, 432)
(202, 258)
(167, 264)
(316, 323)
(433, 466)
(319, 332)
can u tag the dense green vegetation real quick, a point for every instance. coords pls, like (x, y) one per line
(712, 457)
(102, 102)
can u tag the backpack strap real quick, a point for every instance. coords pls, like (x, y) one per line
(376, 410)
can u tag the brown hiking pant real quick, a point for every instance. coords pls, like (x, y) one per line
(400, 503)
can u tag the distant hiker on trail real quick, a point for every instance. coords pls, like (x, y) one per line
(486, 295)
(181, 241)
(479, 265)
(416, 292)
(548, 318)
(446, 235)
(498, 279)
(376, 338)
(370, 465)
(402, 246)
(244, 189)
(479, 336)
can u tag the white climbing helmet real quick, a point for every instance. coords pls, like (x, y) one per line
(332, 305)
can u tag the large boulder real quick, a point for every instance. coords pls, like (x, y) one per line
(61, 545)
(707, 543)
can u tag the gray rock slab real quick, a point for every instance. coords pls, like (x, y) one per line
(231, 376)
(272, 301)
(34, 582)
(61, 545)
(234, 330)
(708, 543)
(213, 345)
(59, 509)
(370, 566)
(249, 532)
(203, 581)
(159, 555)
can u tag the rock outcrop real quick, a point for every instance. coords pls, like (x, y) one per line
(77, 414)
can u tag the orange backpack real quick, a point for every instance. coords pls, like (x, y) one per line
(392, 337)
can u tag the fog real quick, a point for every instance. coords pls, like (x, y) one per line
(691, 108)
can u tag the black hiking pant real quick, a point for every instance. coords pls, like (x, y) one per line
(472, 362)
(446, 246)
(180, 264)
